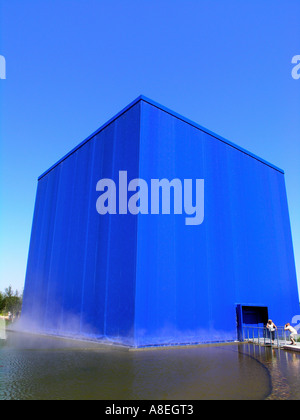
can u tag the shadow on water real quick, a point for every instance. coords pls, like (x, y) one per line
(34, 367)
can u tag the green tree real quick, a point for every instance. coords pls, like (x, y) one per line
(2, 302)
(10, 301)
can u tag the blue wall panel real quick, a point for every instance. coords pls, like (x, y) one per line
(151, 279)
(190, 278)
(81, 268)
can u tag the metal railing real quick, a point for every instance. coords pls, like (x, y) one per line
(262, 336)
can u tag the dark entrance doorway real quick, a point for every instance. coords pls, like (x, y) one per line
(246, 315)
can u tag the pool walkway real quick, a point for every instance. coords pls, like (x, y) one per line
(281, 344)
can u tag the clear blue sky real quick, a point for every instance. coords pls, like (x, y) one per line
(73, 64)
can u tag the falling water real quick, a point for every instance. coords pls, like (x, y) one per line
(2, 329)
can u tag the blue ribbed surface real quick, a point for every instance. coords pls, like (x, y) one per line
(151, 279)
(81, 268)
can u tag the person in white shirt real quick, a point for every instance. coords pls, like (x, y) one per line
(293, 332)
(271, 328)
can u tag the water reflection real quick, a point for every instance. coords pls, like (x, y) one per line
(46, 368)
(283, 368)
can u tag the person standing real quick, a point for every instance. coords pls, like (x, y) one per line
(271, 328)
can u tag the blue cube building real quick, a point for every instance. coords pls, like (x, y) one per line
(158, 277)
